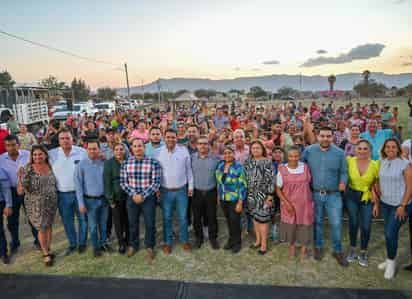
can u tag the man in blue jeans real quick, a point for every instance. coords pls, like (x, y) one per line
(176, 186)
(140, 179)
(6, 204)
(89, 185)
(329, 177)
(63, 160)
(11, 162)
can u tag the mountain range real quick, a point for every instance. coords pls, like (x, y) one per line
(271, 82)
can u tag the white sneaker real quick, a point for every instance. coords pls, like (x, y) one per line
(382, 266)
(390, 269)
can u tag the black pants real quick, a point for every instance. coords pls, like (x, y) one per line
(410, 232)
(109, 225)
(121, 222)
(233, 223)
(204, 213)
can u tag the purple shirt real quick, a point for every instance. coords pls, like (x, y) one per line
(10, 166)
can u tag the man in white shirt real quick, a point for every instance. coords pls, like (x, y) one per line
(63, 160)
(176, 186)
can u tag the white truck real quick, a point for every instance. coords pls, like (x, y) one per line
(27, 104)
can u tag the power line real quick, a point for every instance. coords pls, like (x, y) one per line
(56, 49)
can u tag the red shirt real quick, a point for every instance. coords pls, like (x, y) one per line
(234, 124)
(3, 134)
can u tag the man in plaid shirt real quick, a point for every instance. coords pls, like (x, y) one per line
(140, 179)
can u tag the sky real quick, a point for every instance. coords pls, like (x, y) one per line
(214, 39)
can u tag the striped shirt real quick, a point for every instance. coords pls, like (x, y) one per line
(392, 180)
(140, 176)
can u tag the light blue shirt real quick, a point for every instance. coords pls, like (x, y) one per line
(328, 168)
(176, 167)
(149, 149)
(377, 141)
(10, 166)
(88, 179)
(5, 192)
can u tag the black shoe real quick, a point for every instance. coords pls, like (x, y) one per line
(5, 259)
(122, 249)
(236, 249)
(106, 248)
(214, 244)
(198, 244)
(261, 252)
(14, 250)
(318, 254)
(408, 268)
(97, 253)
(227, 246)
(82, 249)
(69, 251)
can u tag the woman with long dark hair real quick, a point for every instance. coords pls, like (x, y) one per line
(38, 183)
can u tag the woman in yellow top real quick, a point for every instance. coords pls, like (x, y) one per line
(363, 174)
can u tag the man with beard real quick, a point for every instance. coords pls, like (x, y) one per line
(155, 137)
(329, 177)
(192, 135)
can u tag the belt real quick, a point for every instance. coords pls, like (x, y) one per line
(204, 191)
(66, 192)
(93, 197)
(173, 189)
(324, 191)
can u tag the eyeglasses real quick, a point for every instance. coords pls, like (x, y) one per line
(202, 143)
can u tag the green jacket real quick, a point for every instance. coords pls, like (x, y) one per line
(112, 190)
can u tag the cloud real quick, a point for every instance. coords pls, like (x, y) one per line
(361, 52)
(255, 70)
(399, 1)
(321, 51)
(237, 69)
(407, 63)
(268, 62)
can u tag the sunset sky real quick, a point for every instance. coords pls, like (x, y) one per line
(204, 39)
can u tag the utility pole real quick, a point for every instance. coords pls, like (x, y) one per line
(127, 81)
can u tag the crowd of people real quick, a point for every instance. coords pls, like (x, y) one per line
(255, 162)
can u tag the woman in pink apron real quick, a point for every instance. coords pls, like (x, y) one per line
(296, 206)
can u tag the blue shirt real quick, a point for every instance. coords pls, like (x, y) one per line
(328, 168)
(149, 150)
(88, 179)
(377, 141)
(5, 192)
(10, 166)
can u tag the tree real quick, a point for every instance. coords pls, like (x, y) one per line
(287, 91)
(200, 93)
(106, 93)
(366, 76)
(257, 92)
(180, 92)
(331, 80)
(6, 81)
(370, 89)
(52, 82)
(80, 90)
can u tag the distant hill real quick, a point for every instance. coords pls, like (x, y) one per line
(272, 82)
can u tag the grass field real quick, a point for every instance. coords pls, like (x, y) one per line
(206, 265)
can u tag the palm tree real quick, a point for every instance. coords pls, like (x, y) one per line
(331, 80)
(366, 74)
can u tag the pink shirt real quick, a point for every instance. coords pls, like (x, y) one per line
(242, 155)
(143, 136)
